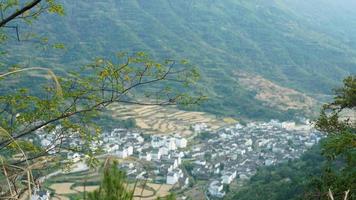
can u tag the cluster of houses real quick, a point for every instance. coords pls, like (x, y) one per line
(218, 158)
(163, 152)
(236, 153)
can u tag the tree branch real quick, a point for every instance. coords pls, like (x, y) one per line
(19, 12)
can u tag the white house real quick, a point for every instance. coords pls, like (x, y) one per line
(243, 177)
(269, 162)
(145, 156)
(171, 144)
(228, 177)
(180, 173)
(122, 153)
(141, 176)
(238, 126)
(309, 144)
(277, 150)
(129, 150)
(45, 142)
(217, 171)
(199, 127)
(156, 154)
(156, 142)
(240, 151)
(179, 161)
(216, 189)
(288, 125)
(164, 150)
(172, 178)
(74, 157)
(140, 139)
(200, 162)
(111, 147)
(40, 195)
(186, 182)
(138, 148)
(148, 157)
(181, 154)
(181, 142)
(248, 142)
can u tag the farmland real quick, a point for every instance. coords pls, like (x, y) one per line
(159, 119)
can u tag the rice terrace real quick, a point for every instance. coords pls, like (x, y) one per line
(74, 185)
(162, 119)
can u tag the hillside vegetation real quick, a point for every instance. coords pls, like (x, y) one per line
(294, 44)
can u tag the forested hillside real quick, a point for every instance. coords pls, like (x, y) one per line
(295, 45)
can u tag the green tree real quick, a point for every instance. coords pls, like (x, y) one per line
(329, 165)
(64, 108)
(113, 186)
(338, 121)
(26, 10)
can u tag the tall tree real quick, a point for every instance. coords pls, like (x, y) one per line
(113, 186)
(338, 121)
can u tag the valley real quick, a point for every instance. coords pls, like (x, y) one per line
(177, 99)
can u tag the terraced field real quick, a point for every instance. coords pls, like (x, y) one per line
(276, 96)
(150, 191)
(159, 119)
(71, 185)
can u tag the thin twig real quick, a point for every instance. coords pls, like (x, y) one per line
(50, 72)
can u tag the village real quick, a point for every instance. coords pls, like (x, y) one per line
(215, 157)
(235, 153)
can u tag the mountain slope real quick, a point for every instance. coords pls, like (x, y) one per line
(286, 42)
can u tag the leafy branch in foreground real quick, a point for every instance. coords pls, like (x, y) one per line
(26, 10)
(13, 13)
(338, 120)
(62, 118)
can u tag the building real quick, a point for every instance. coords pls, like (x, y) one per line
(181, 142)
(171, 144)
(288, 125)
(40, 195)
(122, 153)
(216, 189)
(145, 156)
(228, 177)
(156, 142)
(74, 157)
(172, 178)
(269, 162)
(199, 127)
(164, 150)
(156, 154)
(129, 150)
